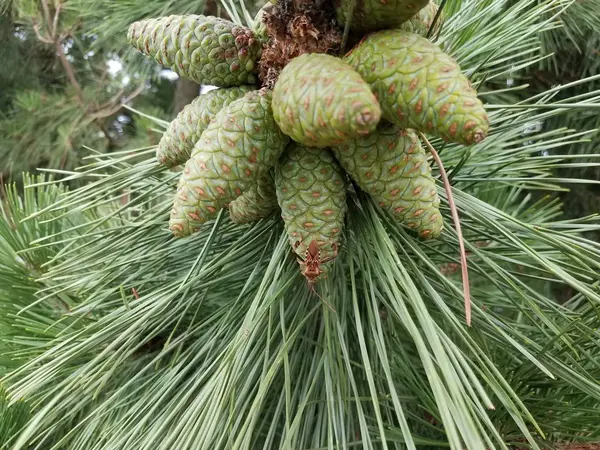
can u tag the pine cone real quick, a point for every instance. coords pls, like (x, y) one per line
(319, 101)
(420, 87)
(207, 50)
(177, 143)
(391, 166)
(311, 192)
(256, 203)
(371, 15)
(260, 28)
(422, 21)
(239, 146)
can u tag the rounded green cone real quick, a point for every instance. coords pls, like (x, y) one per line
(391, 166)
(422, 21)
(177, 143)
(207, 50)
(311, 191)
(320, 101)
(256, 203)
(420, 87)
(371, 15)
(239, 146)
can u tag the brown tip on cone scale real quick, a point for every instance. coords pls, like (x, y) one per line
(478, 136)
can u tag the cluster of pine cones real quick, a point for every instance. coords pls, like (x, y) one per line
(326, 120)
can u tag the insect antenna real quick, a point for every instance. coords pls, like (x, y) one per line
(312, 288)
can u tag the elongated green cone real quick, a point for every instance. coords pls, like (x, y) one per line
(311, 192)
(256, 203)
(420, 87)
(207, 50)
(177, 143)
(422, 21)
(320, 101)
(239, 147)
(371, 15)
(391, 166)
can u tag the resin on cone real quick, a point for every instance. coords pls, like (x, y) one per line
(239, 147)
(320, 101)
(371, 15)
(311, 192)
(420, 87)
(256, 203)
(177, 143)
(207, 50)
(391, 166)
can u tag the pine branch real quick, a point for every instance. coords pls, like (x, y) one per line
(213, 341)
(98, 114)
(68, 69)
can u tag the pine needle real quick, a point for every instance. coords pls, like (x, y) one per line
(461, 243)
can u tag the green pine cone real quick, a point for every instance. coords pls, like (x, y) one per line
(207, 50)
(177, 143)
(320, 101)
(422, 21)
(370, 15)
(311, 192)
(256, 203)
(239, 146)
(259, 28)
(420, 87)
(391, 166)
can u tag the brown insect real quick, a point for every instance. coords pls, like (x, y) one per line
(311, 266)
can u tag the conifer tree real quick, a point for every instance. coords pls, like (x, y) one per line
(119, 335)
